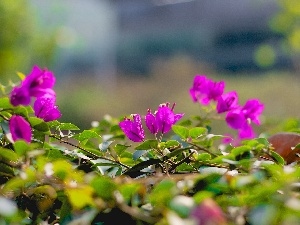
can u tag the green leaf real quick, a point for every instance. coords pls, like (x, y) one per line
(115, 128)
(80, 196)
(68, 126)
(5, 103)
(201, 195)
(119, 149)
(66, 208)
(186, 122)
(203, 157)
(8, 155)
(128, 190)
(14, 185)
(184, 167)
(39, 136)
(104, 187)
(162, 193)
(277, 157)
(22, 111)
(240, 150)
(6, 170)
(263, 141)
(53, 124)
(181, 131)
(21, 147)
(175, 153)
(148, 144)
(38, 124)
(62, 168)
(21, 75)
(171, 144)
(197, 132)
(86, 134)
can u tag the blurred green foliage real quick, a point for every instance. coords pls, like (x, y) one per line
(287, 22)
(22, 41)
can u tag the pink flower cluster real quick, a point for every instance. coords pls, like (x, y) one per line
(39, 84)
(159, 121)
(238, 117)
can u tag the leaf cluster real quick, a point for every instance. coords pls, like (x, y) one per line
(95, 176)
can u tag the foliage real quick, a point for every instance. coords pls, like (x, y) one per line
(62, 174)
(22, 40)
(286, 23)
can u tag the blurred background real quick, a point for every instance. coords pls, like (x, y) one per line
(119, 57)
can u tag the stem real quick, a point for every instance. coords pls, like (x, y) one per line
(186, 159)
(203, 149)
(87, 151)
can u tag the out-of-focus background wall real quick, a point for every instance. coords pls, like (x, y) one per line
(120, 57)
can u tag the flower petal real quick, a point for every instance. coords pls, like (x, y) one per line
(151, 122)
(19, 96)
(20, 128)
(227, 101)
(133, 129)
(235, 119)
(45, 108)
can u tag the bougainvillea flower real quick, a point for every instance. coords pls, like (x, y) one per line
(19, 128)
(45, 108)
(200, 88)
(246, 132)
(208, 212)
(133, 128)
(162, 120)
(227, 102)
(165, 117)
(204, 90)
(20, 96)
(151, 123)
(215, 90)
(38, 83)
(253, 109)
(236, 118)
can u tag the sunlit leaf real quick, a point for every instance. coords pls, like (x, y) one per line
(21, 75)
(21, 147)
(197, 132)
(119, 148)
(162, 193)
(185, 167)
(148, 144)
(203, 157)
(81, 196)
(277, 157)
(68, 126)
(240, 150)
(175, 153)
(129, 190)
(170, 144)
(104, 187)
(5, 103)
(86, 134)
(8, 155)
(181, 131)
(38, 124)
